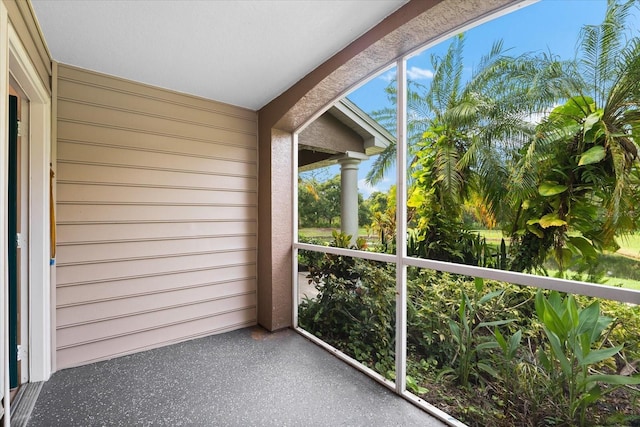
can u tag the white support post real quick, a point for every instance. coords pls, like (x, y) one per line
(349, 165)
(294, 259)
(401, 229)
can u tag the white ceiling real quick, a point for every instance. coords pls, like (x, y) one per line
(244, 53)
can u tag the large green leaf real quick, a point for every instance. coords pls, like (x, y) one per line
(514, 341)
(589, 321)
(572, 311)
(614, 379)
(591, 120)
(548, 189)
(534, 230)
(595, 356)
(455, 331)
(564, 256)
(558, 352)
(556, 320)
(551, 220)
(487, 345)
(496, 323)
(488, 297)
(592, 155)
(500, 340)
(479, 284)
(574, 109)
(594, 128)
(488, 369)
(584, 246)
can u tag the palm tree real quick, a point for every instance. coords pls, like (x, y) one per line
(463, 132)
(580, 173)
(462, 137)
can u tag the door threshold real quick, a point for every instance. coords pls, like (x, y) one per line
(24, 402)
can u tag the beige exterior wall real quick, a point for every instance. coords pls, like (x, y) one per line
(156, 214)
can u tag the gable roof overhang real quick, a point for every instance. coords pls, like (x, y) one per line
(324, 148)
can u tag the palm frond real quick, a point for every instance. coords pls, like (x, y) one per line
(600, 46)
(381, 165)
(448, 174)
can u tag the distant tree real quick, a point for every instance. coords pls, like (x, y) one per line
(364, 213)
(319, 203)
(377, 201)
(383, 218)
(308, 200)
(329, 206)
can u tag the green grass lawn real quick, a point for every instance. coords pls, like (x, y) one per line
(493, 236)
(324, 233)
(624, 283)
(630, 246)
(622, 267)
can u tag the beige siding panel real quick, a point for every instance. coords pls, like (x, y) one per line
(70, 317)
(78, 132)
(103, 328)
(125, 120)
(156, 214)
(83, 253)
(97, 173)
(106, 212)
(79, 153)
(115, 84)
(92, 233)
(143, 340)
(70, 273)
(231, 278)
(89, 94)
(106, 193)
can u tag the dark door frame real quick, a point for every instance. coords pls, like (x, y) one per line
(12, 249)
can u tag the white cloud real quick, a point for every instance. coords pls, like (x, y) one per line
(413, 73)
(537, 117)
(366, 189)
(416, 73)
(389, 75)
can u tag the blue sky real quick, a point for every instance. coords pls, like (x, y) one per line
(548, 25)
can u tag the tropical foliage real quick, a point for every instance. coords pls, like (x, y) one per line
(487, 352)
(565, 185)
(546, 150)
(577, 179)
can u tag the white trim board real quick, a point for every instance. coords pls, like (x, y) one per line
(4, 96)
(23, 71)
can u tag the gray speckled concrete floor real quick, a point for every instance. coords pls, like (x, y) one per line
(242, 378)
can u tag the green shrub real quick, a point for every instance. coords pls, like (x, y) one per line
(355, 308)
(490, 337)
(573, 348)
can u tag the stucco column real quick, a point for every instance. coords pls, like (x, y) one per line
(349, 165)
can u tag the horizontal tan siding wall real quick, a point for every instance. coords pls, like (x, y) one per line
(156, 217)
